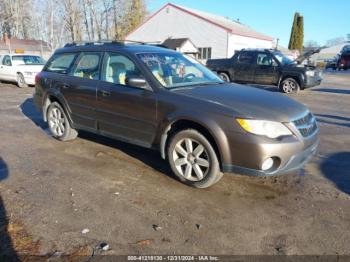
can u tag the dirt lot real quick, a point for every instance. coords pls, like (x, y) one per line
(51, 191)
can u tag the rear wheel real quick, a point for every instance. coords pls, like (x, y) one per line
(193, 159)
(225, 77)
(289, 86)
(21, 81)
(59, 125)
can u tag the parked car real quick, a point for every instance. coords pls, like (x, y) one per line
(332, 63)
(344, 61)
(20, 68)
(266, 67)
(157, 98)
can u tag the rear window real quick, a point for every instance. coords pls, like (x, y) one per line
(246, 58)
(60, 63)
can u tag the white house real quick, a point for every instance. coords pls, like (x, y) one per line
(214, 36)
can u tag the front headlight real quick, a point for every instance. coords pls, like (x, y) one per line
(267, 128)
(310, 73)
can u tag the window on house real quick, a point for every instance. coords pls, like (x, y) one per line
(204, 53)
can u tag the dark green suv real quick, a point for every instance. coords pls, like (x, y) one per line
(267, 67)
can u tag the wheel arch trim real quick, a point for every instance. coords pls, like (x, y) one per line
(213, 129)
(54, 95)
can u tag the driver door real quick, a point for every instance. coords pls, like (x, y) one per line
(125, 112)
(266, 72)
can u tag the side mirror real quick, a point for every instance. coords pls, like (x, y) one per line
(135, 81)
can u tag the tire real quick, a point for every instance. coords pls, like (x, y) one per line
(193, 159)
(59, 124)
(225, 77)
(289, 86)
(21, 83)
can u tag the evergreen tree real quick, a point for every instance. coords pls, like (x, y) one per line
(297, 33)
(300, 33)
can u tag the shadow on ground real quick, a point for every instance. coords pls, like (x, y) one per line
(267, 88)
(7, 252)
(29, 110)
(148, 156)
(332, 90)
(333, 120)
(336, 168)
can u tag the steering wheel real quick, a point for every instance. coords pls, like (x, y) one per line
(189, 77)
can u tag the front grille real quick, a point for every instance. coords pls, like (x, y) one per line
(306, 125)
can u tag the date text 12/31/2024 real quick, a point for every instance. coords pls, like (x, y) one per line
(172, 258)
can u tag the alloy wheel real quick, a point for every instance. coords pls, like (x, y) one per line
(191, 159)
(57, 122)
(289, 86)
(224, 77)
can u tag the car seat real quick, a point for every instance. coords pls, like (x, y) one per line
(116, 73)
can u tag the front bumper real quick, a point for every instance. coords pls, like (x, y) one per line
(295, 162)
(248, 152)
(313, 81)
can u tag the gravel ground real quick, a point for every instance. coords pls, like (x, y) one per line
(51, 191)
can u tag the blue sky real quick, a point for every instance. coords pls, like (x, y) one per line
(323, 19)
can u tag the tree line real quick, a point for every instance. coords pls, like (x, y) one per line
(59, 21)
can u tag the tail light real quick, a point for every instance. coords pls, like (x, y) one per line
(37, 79)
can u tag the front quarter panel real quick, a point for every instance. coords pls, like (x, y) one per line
(214, 118)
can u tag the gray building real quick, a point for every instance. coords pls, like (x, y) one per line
(214, 36)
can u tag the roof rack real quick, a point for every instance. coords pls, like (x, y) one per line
(118, 42)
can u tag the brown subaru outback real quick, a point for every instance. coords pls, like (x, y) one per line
(158, 98)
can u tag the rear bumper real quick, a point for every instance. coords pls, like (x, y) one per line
(295, 162)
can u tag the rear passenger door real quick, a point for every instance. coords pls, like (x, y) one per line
(80, 87)
(125, 112)
(244, 67)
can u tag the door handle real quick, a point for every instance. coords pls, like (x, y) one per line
(105, 93)
(65, 86)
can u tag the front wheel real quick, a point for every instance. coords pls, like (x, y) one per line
(193, 159)
(289, 86)
(21, 81)
(59, 125)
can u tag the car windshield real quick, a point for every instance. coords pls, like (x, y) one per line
(175, 70)
(28, 60)
(282, 58)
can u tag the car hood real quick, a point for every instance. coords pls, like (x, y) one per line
(248, 102)
(306, 55)
(31, 68)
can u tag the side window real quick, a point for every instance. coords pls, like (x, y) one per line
(117, 68)
(88, 66)
(246, 58)
(60, 63)
(7, 60)
(264, 59)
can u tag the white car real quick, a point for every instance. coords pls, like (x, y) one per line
(20, 68)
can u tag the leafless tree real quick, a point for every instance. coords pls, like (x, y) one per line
(60, 21)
